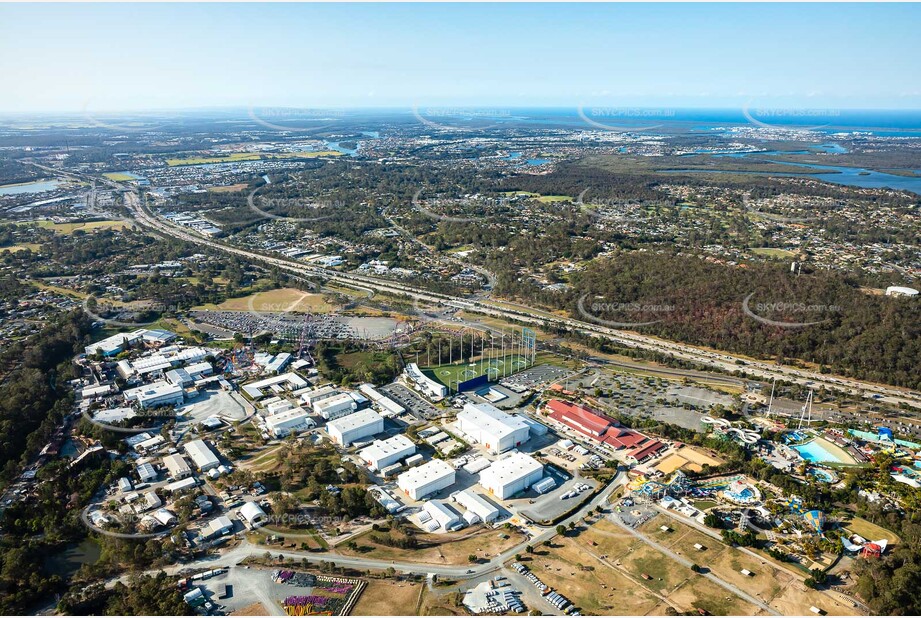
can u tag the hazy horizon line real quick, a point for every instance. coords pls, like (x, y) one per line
(792, 110)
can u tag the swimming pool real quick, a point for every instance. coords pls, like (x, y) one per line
(823, 475)
(816, 452)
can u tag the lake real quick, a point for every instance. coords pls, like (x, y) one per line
(848, 176)
(69, 560)
(39, 186)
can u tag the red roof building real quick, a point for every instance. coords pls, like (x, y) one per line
(646, 451)
(594, 425)
(871, 550)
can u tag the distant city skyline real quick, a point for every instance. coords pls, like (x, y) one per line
(71, 58)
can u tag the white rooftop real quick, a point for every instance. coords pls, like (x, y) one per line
(491, 419)
(426, 473)
(509, 469)
(356, 420)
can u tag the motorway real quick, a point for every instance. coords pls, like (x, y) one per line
(511, 311)
(718, 360)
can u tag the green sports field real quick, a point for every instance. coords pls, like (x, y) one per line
(451, 375)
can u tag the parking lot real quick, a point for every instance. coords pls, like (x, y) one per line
(534, 378)
(420, 408)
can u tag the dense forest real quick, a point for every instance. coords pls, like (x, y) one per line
(693, 300)
(34, 397)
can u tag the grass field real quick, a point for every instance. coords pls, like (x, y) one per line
(450, 375)
(781, 254)
(201, 160)
(388, 598)
(447, 548)
(550, 199)
(250, 156)
(118, 176)
(776, 586)
(229, 188)
(275, 301)
(21, 247)
(86, 226)
(871, 531)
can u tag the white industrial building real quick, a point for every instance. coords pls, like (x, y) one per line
(310, 398)
(442, 514)
(382, 453)
(199, 370)
(385, 405)
(219, 526)
(253, 514)
(202, 456)
(180, 377)
(477, 505)
(289, 421)
(278, 384)
(113, 415)
(178, 487)
(164, 517)
(276, 404)
(427, 385)
(491, 427)
(147, 473)
(278, 363)
(508, 476)
(155, 394)
(177, 467)
(111, 346)
(149, 443)
(337, 406)
(424, 480)
(372, 393)
(355, 426)
(96, 390)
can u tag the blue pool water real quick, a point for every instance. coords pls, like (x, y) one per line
(814, 451)
(822, 475)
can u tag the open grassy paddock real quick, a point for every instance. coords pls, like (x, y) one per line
(781, 254)
(774, 585)
(86, 226)
(276, 301)
(447, 548)
(250, 156)
(383, 597)
(118, 176)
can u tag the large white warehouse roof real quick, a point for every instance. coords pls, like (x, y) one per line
(508, 470)
(202, 456)
(491, 419)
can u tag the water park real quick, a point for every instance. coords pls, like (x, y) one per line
(813, 447)
(732, 430)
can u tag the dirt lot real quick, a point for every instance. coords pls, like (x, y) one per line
(601, 590)
(388, 598)
(614, 585)
(256, 609)
(775, 586)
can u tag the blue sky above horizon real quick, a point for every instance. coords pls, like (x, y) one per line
(114, 57)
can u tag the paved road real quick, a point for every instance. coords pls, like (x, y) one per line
(522, 313)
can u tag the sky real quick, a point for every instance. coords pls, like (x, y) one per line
(120, 57)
